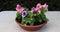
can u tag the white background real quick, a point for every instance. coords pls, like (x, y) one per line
(8, 24)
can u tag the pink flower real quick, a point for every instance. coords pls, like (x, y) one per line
(39, 11)
(36, 9)
(38, 6)
(45, 6)
(19, 8)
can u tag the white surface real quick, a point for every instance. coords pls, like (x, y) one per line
(8, 24)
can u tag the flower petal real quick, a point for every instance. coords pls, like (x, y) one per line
(32, 9)
(39, 11)
(19, 8)
(36, 9)
(45, 6)
(38, 5)
(24, 13)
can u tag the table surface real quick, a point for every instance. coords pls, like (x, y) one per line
(8, 24)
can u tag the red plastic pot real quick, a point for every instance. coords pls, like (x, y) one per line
(31, 28)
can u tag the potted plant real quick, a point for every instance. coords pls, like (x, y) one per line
(33, 19)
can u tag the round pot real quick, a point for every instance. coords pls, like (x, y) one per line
(31, 28)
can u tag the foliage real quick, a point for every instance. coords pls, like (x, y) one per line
(33, 16)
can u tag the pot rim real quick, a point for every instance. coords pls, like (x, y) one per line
(31, 26)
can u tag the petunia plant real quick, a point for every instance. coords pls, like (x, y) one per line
(32, 17)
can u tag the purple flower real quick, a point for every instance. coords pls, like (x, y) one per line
(24, 13)
(32, 9)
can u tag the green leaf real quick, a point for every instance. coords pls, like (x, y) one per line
(27, 9)
(18, 14)
(43, 10)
